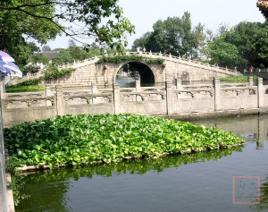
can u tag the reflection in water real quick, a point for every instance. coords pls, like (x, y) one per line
(54, 184)
(41, 194)
(251, 128)
(126, 83)
(190, 182)
(263, 197)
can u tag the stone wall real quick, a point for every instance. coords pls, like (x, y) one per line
(169, 98)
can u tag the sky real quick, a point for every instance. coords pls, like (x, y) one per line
(144, 13)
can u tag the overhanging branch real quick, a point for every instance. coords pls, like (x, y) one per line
(50, 19)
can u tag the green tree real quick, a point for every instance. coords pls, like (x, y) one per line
(246, 44)
(223, 28)
(75, 53)
(39, 58)
(46, 48)
(174, 35)
(17, 27)
(224, 53)
(141, 42)
(41, 20)
(71, 43)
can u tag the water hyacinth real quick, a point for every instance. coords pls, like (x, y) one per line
(88, 139)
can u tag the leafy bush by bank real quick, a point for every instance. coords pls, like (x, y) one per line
(29, 82)
(130, 58)
(53, 73)
(89, 139)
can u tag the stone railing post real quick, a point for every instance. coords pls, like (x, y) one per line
(48, 91)
(217, 94)
(3, 190)
(260, 93)
(250, 81)
(94, 88)
(178, 83)
(138, 85)
(2, 90)
(170, 101)
(116, 98)
(60, 101)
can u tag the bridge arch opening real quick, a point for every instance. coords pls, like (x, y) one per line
(132, 71)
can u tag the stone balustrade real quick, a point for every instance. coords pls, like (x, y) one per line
(169, 98)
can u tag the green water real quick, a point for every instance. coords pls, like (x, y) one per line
(198, 182)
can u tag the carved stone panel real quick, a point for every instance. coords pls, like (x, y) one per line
(155, 97)
(41, 103)
(77, 101)
(185, 95)
(17, 104)
(101, 100)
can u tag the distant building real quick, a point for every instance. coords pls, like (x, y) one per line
(50, 54)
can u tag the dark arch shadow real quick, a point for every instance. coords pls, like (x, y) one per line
(132, 71)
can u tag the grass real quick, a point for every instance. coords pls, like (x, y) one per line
(236, 79)
(26, 88)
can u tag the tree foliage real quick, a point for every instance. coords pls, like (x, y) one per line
(46, 48)
(75, 53)
(243, 45)
(42, 20)
(175, 35)
(224, 53)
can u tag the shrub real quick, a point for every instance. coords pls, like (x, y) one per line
(53, 73)
(30, 82)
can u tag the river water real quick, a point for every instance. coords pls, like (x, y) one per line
(230, 180)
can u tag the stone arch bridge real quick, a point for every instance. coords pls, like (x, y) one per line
(90, 71)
